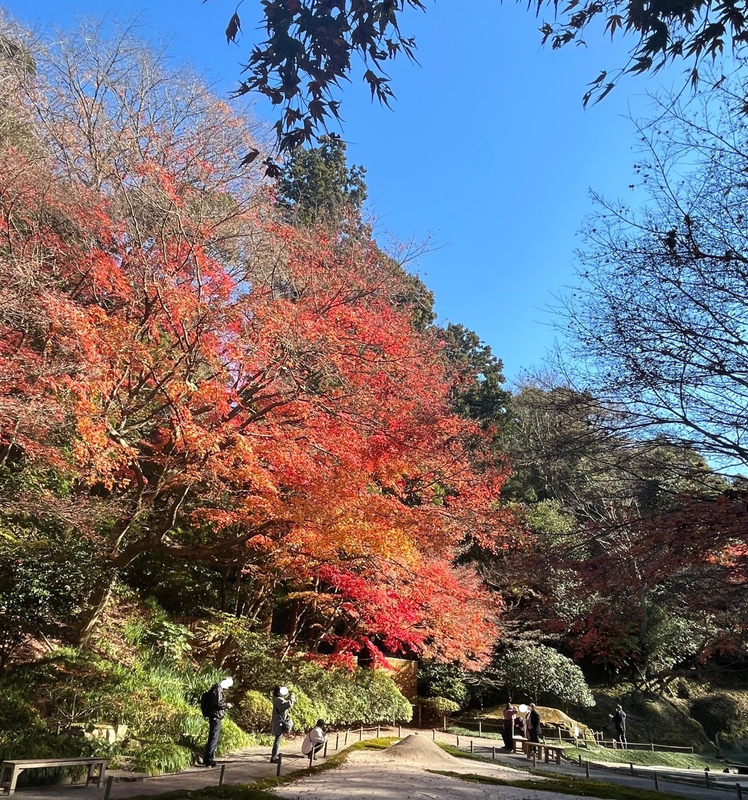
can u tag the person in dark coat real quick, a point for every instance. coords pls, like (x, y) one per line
(533, 724)
(216, 713)
(281, 721)
(619, 720)
(510, 713)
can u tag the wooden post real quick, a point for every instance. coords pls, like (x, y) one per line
(361, 733)
(444, 724)
(458, 741)
(493, 752)
(480, 727)
(657, 783)
(706, 777)
(379, 731)
(534, 757)
(346, 736)
(399, 731)
(580, 759)
(324, 752)
(311, 757)
(222, 775)
(587, 768)
(337, 740)
(433, 734)
(740, 791)
(280, 762)
(631, 767)
(108, 790)
(471, 745)
(652, 747)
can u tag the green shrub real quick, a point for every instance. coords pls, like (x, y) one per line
(440, 706)
(162, 756)
(254, 711)
(306, 712)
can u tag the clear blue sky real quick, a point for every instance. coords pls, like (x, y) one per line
(488, 149)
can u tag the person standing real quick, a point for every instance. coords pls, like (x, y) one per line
(533, 724)
(510, 712)
(619, 720)
(315, 739)
(281, 721)
(214, 708)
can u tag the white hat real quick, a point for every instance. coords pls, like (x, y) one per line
(283, 691)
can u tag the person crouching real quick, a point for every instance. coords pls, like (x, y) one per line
(315, 739)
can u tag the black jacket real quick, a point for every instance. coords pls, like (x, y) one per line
(218, 704)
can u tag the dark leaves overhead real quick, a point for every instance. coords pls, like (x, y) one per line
(308, 53)
(310, 45)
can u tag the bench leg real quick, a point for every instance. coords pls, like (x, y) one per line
(13, 780)
(102, 773)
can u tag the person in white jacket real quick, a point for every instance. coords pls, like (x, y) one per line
(315, 739)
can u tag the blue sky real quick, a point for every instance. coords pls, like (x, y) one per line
(488, 150)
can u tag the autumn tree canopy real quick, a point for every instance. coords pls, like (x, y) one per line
(212, 384)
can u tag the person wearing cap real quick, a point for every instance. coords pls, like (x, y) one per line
(281, 720)
(216, 713)
(315, 739)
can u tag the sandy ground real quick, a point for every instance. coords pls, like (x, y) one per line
(400, 772)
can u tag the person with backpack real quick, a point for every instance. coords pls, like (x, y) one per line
(315, 739)
(281, 721)
(213, 707)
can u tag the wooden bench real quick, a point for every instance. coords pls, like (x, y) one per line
(553, 751)
(10, 770)
(542, 750)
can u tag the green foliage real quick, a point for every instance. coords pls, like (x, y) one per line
(645, 758)
(46, 570)
(317, 187)
(541, 671)
(440, 706)
(339, 696)
(255, 711)
(443, 680)
(74, 688)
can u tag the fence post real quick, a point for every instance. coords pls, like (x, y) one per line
(652, 747)
(458, 741)
(399, 731)
(480, 727)
(337, 740)
(108, 789)
(657, 783)
(222, 775)
(587, 768)
(433, 734)
(324, 752)
(444, 724)
(361, 733)
(631, 767)
(706, 777)
(379, 730)
(280, 762)
(471, 745)
(346, 736)
(740, 791)
(580, 759)
(534, 757)
(493, 752)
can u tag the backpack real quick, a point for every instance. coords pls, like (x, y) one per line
(207, 703)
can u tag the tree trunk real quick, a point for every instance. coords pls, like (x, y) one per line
(92, 614)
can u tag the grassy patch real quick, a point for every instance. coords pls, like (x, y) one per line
(568, 785)
(645, 758)
(457, 731)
